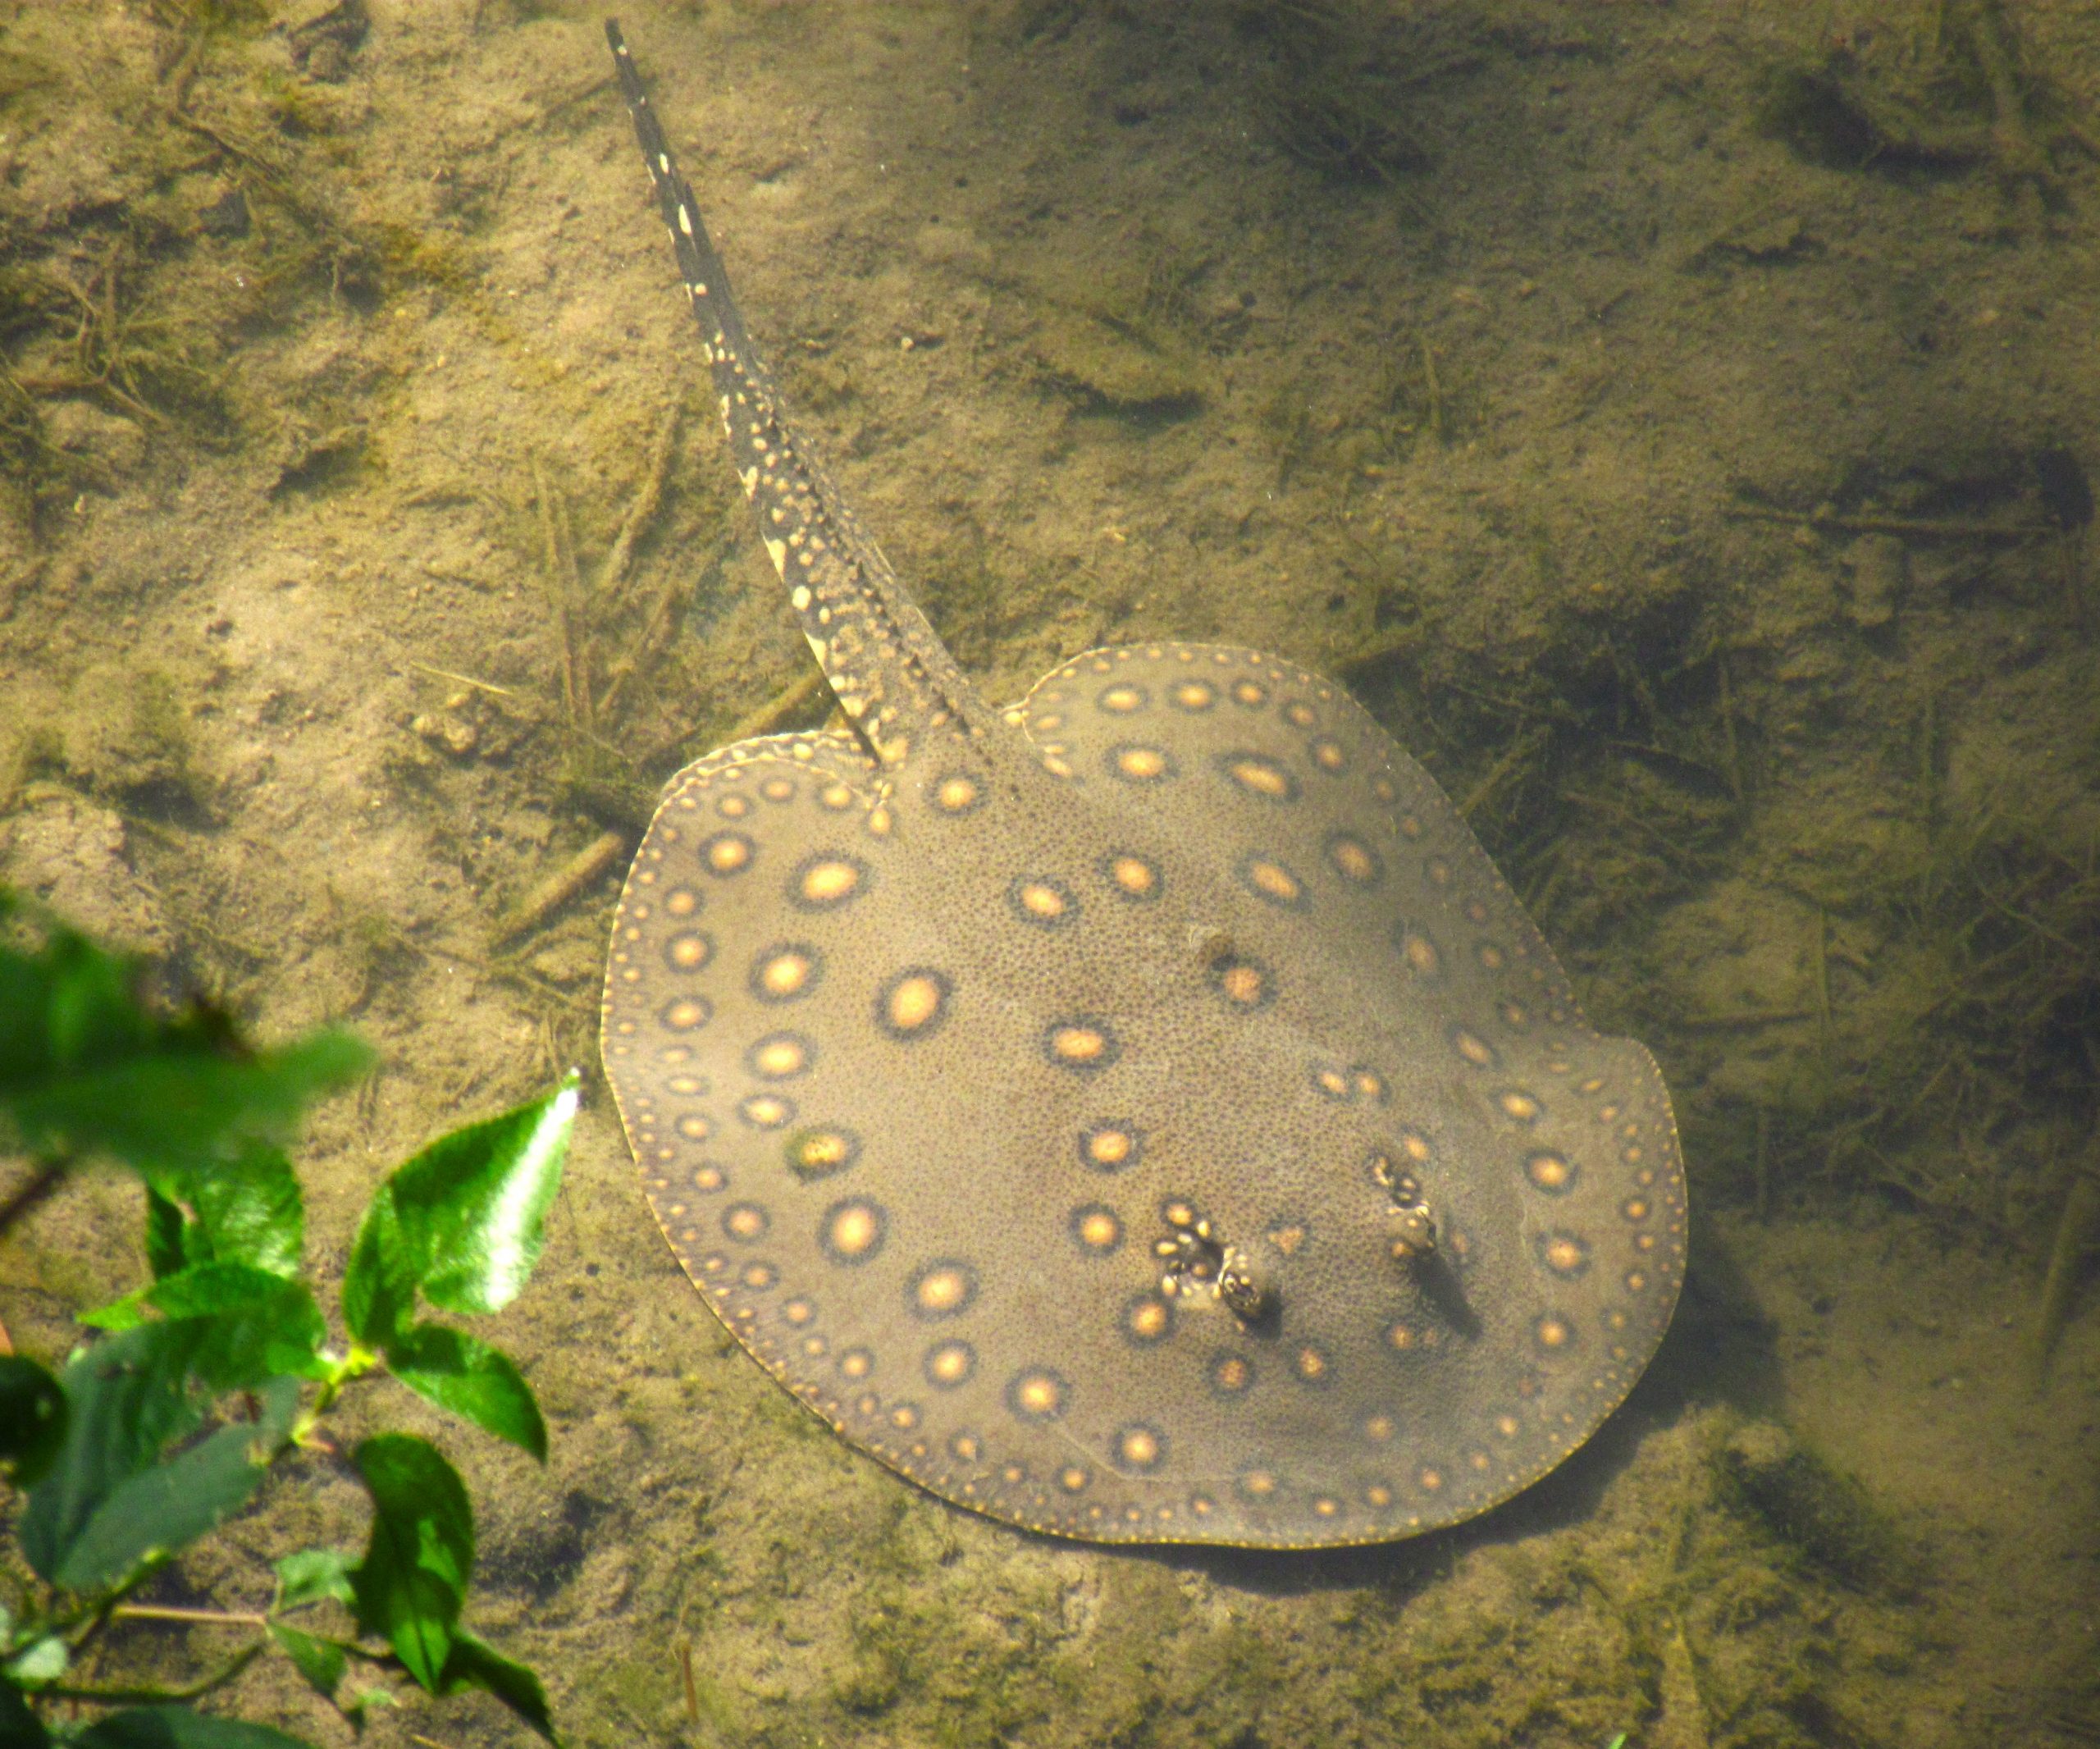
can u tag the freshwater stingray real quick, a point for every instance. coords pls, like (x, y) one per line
(1141, 1113)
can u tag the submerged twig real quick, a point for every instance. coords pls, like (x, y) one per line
(154, 1695)
(159, 1612)
(1734, 772)
(1761, 1163)
(45, 1180)
(648, 501)
(463, 680)
(580, 872)
(765, 720)
(2077, 1228)
(564, 589)
(1822, 973)
(686, 1680)
(1746, 1019)
(1926, 527)
(1518, 749)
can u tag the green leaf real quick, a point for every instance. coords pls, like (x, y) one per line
(32, 1419)
(20, 1729)
(320, 1661)
(379, 1283)
(461, 1374)
(182, 1094)
(162, 1508)
(311, 1575)
(128, 1397)
(473, 1664)
(41, 1661)
(260, 1326)
(250, 1210)
(127, 1313)
(413, 1577)
(62, 1000)
(463, 1221)
(86, 1068)
(486, 1201)
(179, 1727)
(473, 1203)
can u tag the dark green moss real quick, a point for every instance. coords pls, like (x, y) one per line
(1336, 94)
(1815, 1510)
(1810, 110)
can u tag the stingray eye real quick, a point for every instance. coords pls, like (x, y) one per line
(1247, 1289)
(1410, 1227)
(1199, 1264)
(1411, 1232)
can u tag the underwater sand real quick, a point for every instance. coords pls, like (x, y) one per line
(1442, 347)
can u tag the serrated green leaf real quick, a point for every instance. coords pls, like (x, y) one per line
(170, 1505)
(379, 1283)
(127, 1396)
(179, 1727)
(474, 1664)
(41, 1661)
(311, 1575)
(320, 1661)
(465, 1375)
(127, 1313)
(32, 1419)
(261, 1324)
(247, 1205)
(413, 1577)
(473, 1203)
(20, 1729)
(250, 1210)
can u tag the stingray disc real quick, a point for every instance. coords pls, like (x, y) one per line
(1142, 1114)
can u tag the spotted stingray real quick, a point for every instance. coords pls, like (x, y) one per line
(1142, 1113)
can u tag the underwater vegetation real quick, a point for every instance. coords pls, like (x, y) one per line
(192, 211)
(1956, 94)
(1336, 95)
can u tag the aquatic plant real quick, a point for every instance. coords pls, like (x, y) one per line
(220, 1371)
(1336, 95)
(1820, 1515)
(1964, 957)
(1959, 95)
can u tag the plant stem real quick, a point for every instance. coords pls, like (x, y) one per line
(158, 1612)
(359, 1361)
(153, 1696)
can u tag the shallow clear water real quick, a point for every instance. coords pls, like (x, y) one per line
(1671, 423)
